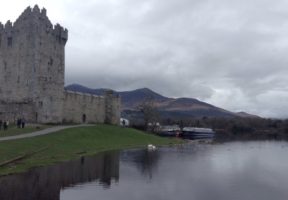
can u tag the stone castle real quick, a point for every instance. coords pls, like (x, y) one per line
(32, 72)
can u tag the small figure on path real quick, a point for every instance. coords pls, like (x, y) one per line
(1, 122)
(23, 123)
(5, 125)
(123, 123)
(19, 123)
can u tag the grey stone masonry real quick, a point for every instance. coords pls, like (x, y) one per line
(32, 70)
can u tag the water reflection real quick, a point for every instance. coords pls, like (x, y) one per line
(227, 171)
(46, 183)
(145, 161)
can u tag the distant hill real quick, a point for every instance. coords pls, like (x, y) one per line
(246, 115)
(83, 89)
(168, 107)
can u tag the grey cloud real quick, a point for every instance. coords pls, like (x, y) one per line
(215, 51)
(229, 53)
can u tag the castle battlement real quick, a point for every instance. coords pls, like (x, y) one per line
(36, 17)
(34, 13)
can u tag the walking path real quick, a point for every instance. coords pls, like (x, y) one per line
(41, 132)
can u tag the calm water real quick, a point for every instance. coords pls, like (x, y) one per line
(229, 171)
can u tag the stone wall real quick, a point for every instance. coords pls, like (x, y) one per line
(83, 108)
(11, 111)
(87, 108)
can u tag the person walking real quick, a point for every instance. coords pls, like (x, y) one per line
(1, 123)
(123, 123)
(23, 123)
(19, 123)
(5, 125)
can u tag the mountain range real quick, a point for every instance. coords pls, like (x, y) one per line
(168, 107)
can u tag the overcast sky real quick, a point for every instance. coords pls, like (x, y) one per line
(230, 53)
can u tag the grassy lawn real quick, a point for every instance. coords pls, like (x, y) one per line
(72, 143)
(13, 130)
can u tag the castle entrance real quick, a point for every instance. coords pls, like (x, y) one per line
(84, 118)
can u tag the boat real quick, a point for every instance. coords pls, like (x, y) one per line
(170, 131)
(197, 133)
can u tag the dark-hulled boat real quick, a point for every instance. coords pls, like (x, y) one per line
(197, 133)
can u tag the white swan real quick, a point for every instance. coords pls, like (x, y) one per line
(151, 147)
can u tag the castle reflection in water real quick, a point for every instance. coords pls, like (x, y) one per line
(46, 183)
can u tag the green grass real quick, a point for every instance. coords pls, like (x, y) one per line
(13, 130)
(72, 143)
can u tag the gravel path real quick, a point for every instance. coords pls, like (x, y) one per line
(41, 132)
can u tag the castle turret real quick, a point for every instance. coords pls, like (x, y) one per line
(112, 107)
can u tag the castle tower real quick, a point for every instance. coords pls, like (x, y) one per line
(32, 64)
(112, 107)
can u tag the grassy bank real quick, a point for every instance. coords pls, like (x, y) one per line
(71, 143)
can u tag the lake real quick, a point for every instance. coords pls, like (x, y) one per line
(256, 170)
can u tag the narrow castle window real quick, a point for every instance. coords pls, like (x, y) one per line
(9, 41)
(50, 61)
(5, 65)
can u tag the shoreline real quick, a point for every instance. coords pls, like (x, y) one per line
(73, 143)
